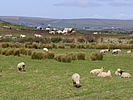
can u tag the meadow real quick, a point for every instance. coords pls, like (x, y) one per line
(49, 79)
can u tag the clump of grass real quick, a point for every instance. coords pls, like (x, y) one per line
(96, 56)
(50, 55)
(66, 58)
(61, 46)
(16, 52)
(81, 46)
(38, 55)
(58, 57)
(73, 45)
(81, 56)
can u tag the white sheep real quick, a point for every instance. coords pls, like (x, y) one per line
(23, 36)
(38, 35)
(125, 75)
(45, 49)
(105, 50)
(105, 74)
(115, 51)
(129, 51)
(97, 71)
(76, 80)
(118, 71)
(21, 66)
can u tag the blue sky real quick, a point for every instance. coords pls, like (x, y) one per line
(68, 9)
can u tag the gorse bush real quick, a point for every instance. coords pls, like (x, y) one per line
(96, 56)
(73, 46)
(63, 58)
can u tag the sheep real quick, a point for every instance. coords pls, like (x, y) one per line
(97, 71)
(21, 66)
(129, 51)
(45, 49)
(105, 50)
(105, 74)
(23, 36)
(76, 80)
(7, 36)
(115, 51)
(125, 74)
(37, 35)
(52, 32)
(117, 72)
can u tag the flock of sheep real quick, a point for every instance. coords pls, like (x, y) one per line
(115, 51)
(101, 73)
(76, 76)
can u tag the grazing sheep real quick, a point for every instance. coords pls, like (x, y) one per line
(97, 71)
(45, 49)
(105, 50)
(38, 35)
(115, 51)
(21, 66)
(118, 72)
(129, 51)
(125, 74)
(23, 36)
(105, 74)
(76, 80)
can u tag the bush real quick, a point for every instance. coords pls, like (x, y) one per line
(96, 56)
(73, 55)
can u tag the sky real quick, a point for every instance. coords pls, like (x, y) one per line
(68, 9)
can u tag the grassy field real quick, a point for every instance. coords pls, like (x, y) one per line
(51, 80)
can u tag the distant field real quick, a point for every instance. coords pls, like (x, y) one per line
(51, 80)
(75, 23)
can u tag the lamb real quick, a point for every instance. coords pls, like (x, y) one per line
(45, 49)
(105, 74)
(97, 71)
(21, 66)
(118, 72)
(129, 51)
(76, 80)
(125, 74)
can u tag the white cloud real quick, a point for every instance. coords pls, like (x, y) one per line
(120, 4)
(79, 3)
(122, 16)
(97, 16)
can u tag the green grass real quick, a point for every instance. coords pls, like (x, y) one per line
(49, 79)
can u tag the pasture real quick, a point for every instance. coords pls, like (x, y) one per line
(51, 80)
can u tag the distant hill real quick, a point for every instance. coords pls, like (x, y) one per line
(75, 23)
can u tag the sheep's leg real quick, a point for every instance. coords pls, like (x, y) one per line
(19, 69)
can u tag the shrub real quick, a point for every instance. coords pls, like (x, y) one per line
(96, 56)
(81, 56)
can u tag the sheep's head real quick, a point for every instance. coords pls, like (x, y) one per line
(103, 68)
